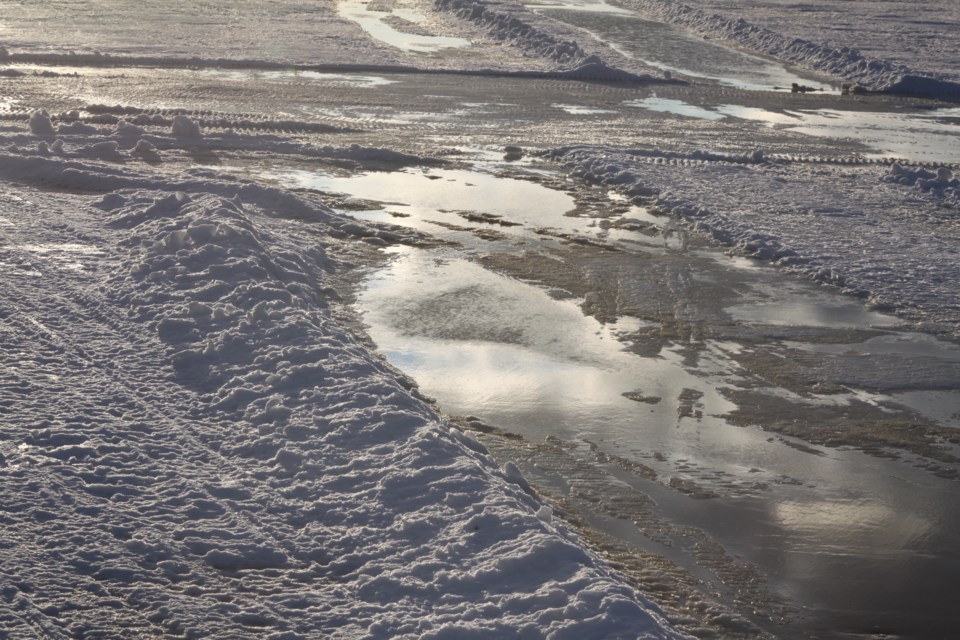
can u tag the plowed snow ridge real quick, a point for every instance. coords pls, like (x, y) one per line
(192, 446)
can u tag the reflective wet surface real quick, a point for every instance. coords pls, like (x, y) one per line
(851, 543)
(922, 135)
(727, 395)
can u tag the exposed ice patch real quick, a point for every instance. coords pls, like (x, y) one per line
(581, 110)
(371, 18)
(678, 107)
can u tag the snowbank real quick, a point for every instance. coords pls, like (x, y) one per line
(520, 28)
(842, 62)
(193, 446)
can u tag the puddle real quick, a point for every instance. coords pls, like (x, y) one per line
(475, 209)
(442, 195)
(915, 344)
(810, 313)
(331, 79)
(675, 50)
(817, 525)
(942, 407)
(678, 107)
(483, 343)
(927, 136)
(815, 520)
(580, 110)
(924, 136)
(770, 118)
(777, 301)
(372, 17)
(904, 360)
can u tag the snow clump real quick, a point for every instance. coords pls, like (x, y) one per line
(940, 182)
(184, 127)
(125, 128)
(40, 123)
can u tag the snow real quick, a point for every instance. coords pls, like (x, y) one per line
(40, 123)
(194, 442)
(796, 35)
(193, 445)
(921, 36)
(941, 182)
(523, 29)
(182, 127)
(885, 234)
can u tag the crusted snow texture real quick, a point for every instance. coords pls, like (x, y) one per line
(842, 62)
(940, 182)
(889, 236)
(192, 446)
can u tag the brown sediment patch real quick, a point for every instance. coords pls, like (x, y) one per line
(486, 218)
(639, 396)
(680, 300)
(857, 424)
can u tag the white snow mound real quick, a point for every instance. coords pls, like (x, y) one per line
(197, 448)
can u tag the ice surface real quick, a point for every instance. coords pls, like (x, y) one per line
(922, 136)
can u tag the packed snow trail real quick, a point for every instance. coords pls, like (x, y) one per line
(193, 446)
